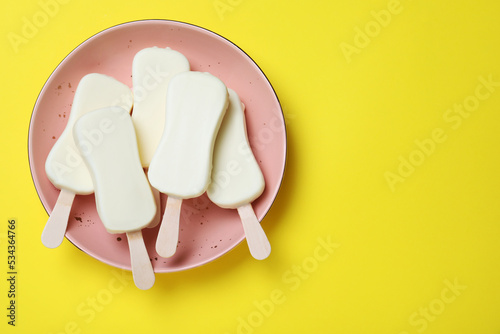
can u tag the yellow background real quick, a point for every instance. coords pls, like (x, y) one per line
(352, 118)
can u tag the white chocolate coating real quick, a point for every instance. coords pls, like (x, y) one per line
(182, 163)
(64, 165)
(107, 142)
(236, 176)
(152, 69)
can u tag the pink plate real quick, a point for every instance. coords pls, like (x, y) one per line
(206, 231)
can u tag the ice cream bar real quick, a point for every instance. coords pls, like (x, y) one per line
(107, 142)
(181, 165)
(125, 204)
(236, 177)
(152, 69)
(64, 165)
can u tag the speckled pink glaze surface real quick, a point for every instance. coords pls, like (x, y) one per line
(206, 231)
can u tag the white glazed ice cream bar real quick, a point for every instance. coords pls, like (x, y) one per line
(185, 128)
(124, 200)
(64, 165)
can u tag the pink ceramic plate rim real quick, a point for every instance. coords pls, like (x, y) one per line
(264, 207)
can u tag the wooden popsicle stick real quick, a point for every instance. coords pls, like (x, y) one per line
(55, 229)
(256, 237)
(168, 235)
(142, 270)
(156, 220)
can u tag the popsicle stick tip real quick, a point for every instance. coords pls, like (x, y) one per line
(165, 250)
(257, 241)
(55, 228)
(142, 269)
(168, 234)
(144, 284)
(51, 242)
(262, 254)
